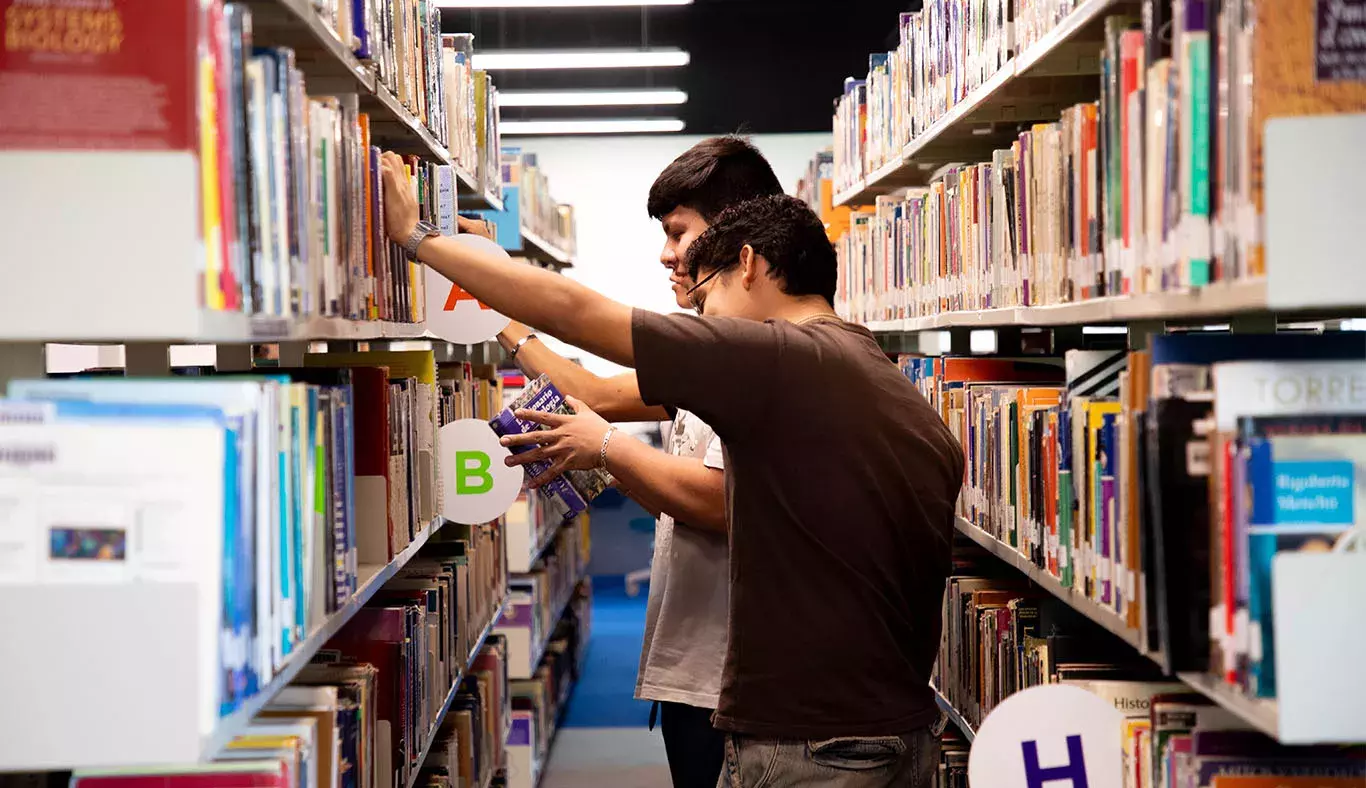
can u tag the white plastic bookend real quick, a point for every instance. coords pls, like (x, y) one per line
(1315, 205)
(1321, 685)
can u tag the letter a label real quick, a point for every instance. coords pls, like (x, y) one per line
(479, 486)
(1052, 736)
(452, 313)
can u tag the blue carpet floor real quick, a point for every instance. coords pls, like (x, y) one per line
(605, 695)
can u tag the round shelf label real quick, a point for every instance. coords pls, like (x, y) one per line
(478, 486)
(453, 314)
(1051, 736)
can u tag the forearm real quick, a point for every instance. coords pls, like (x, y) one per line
(550, 302)
(682, 487)
(616, 398)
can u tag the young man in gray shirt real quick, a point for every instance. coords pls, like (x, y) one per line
(685, 622)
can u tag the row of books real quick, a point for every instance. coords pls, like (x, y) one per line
(1145, 190)
(954, 750)
(945, 50)
(293, 203)
(1160, 484)
(471, 102)
(538, 598)
(1001, 637)
(354, 720)
(539, 702)
(551, 220)
(303, 483)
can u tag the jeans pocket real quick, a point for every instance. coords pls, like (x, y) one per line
(857, 753)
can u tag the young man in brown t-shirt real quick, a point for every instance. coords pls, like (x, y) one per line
(840, 482)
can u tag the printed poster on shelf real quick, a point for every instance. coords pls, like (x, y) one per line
(479, 487)
(453, 314)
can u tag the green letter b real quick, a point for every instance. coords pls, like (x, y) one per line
(472, 475)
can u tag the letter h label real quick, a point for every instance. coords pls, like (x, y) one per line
(1073, 771)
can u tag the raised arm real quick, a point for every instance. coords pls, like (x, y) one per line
(557, 305)
(616, 398)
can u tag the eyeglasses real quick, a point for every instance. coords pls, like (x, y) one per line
(696, 304)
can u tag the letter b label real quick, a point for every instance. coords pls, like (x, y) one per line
(1074, 770)
(476, 483)
(472, 473)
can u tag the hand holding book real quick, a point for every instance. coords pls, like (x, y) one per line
(569, 441)
(401, 212)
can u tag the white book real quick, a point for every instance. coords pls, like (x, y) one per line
(1274, 388)
(96, 500)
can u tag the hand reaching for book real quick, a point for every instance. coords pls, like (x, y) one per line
(400, 204)
(568, 441)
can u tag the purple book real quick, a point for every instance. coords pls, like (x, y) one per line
(571, 491)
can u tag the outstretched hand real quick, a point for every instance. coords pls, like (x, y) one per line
(568, 441)
(400, 203)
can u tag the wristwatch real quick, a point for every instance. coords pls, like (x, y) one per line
(420, 233)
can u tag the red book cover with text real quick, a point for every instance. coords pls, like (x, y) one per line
(109, 74)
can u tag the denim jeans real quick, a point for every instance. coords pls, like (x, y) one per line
(908, 761)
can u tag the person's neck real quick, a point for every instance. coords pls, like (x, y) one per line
(795, 310)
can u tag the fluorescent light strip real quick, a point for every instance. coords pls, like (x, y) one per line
(588, 98)
(530, 59)
(512, 128)
(555, 3)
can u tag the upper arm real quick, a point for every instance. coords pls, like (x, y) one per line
(718, 368)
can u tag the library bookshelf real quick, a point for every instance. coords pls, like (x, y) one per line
(962, 170)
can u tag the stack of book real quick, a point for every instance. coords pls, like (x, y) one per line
(538, 598)
(1158, 485)
(538, 702)
(1157, 186)
(471, 745)
(541, 214)
(945, 50)
(471, 114)
(316, 478)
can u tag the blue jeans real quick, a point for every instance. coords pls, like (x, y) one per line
(908, 761)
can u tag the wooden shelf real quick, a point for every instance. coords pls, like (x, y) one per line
(1071, 596)
(370, 580)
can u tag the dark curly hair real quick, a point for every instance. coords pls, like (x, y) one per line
(711, 176)
(784, 231)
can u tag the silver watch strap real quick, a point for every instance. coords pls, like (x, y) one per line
(420, 233)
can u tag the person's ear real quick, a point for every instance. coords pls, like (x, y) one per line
(749, 266)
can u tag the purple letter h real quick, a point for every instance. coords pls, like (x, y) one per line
(1074, 770)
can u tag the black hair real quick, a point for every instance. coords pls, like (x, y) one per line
(711, 176)
(784, 231)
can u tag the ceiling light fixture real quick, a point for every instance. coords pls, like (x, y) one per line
(529, 59)
(555, 3)
(589, 98)
(513, 128)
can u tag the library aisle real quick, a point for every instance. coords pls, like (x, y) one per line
(998, 411)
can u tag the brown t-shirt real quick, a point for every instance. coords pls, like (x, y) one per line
(840, 488)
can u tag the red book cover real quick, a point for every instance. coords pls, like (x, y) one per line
(112, 75)
(227, 240)
(376, 637)
(981, 370)
(1130, 47)
(264, 778)
(371, 390)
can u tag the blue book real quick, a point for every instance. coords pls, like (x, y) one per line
(1304, 491)
(1202, 348)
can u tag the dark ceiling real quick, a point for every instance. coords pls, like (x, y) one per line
(758, 66)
